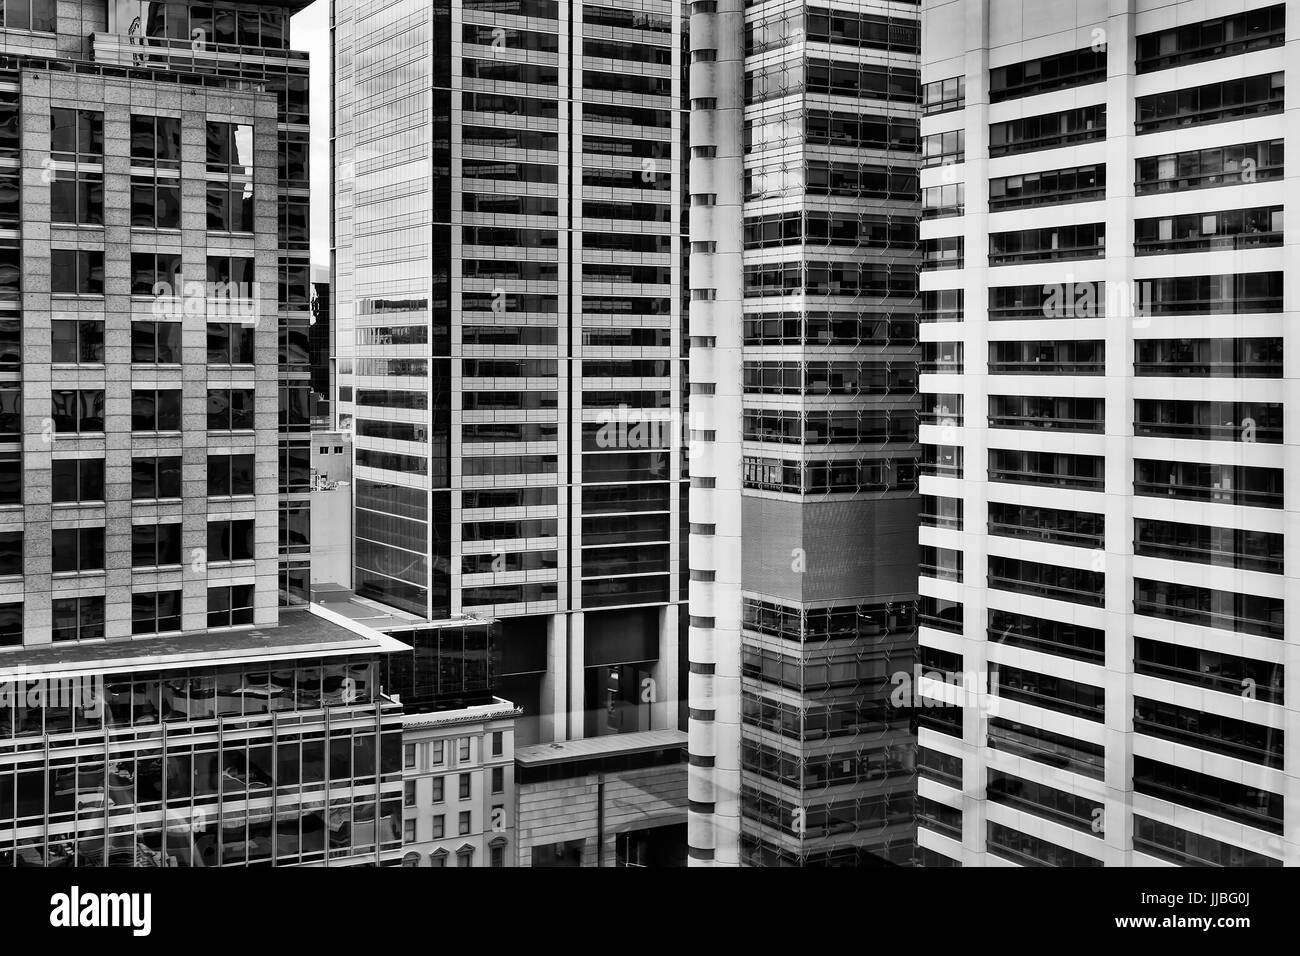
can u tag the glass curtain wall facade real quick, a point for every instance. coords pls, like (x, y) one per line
(295, 763)
(1112, 586)
(804, 210)
(507, 273)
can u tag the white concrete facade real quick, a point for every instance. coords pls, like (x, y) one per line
(1238, 590)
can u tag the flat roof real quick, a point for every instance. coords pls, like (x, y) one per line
(498, 709)
(538, 755)
(381, 617)
(311, 631)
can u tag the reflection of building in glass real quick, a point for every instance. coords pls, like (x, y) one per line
(507, 283)
(1104, 193)
(460, 743)
(265, 746)
(321, 344)
(803, 322)
(608, 801)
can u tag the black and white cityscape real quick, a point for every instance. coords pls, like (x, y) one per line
(647, 433)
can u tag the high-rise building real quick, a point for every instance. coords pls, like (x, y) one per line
(154, 707)
(1106, 517)
(803, 446)
(322, 357)
(507, 299)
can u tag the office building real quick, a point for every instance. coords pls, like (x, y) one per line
(247, 747)
(803, 445)
(1106, 523)
(507, 277)
(105, 427)
(153, 323)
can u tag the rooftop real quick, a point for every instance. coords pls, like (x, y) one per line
(378, 616)
(539, 755)
(498, 709)
(309, 632)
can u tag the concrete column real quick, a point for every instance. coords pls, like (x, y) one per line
(663, 713)
(577, 661)
(555, 694)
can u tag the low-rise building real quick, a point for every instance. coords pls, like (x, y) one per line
(459, 784)
(267, 746)
(604, 801)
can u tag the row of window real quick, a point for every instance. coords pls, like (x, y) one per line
(830, 378)
(844, 768)
(1211, 103)
(437, 790)
(1207, 607)
(81, 342)
(1042, 75)
(1163, 49)
(1051, 525)
(229, 283)
(1162, 840)
(840, 27)
(217, 25)
(1053, 581)
(1060, 806)
(1240, 739)
(433, 753)
(859, 80)
(828, 477)
(1047, 636)
(1209, 358)
(1186, 603)
(827, 278)
(1228, 229)
(830, 328)
(1211, 39)
(819, 228)
(153, 545)
(82, 618)
(812, 427)
(1213, 670)
(1195, 169)
(1033, 851)
(819, 719)
(437, 831)
(1222, 547)
(81, 411)
(152, 479)
(828, 623)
